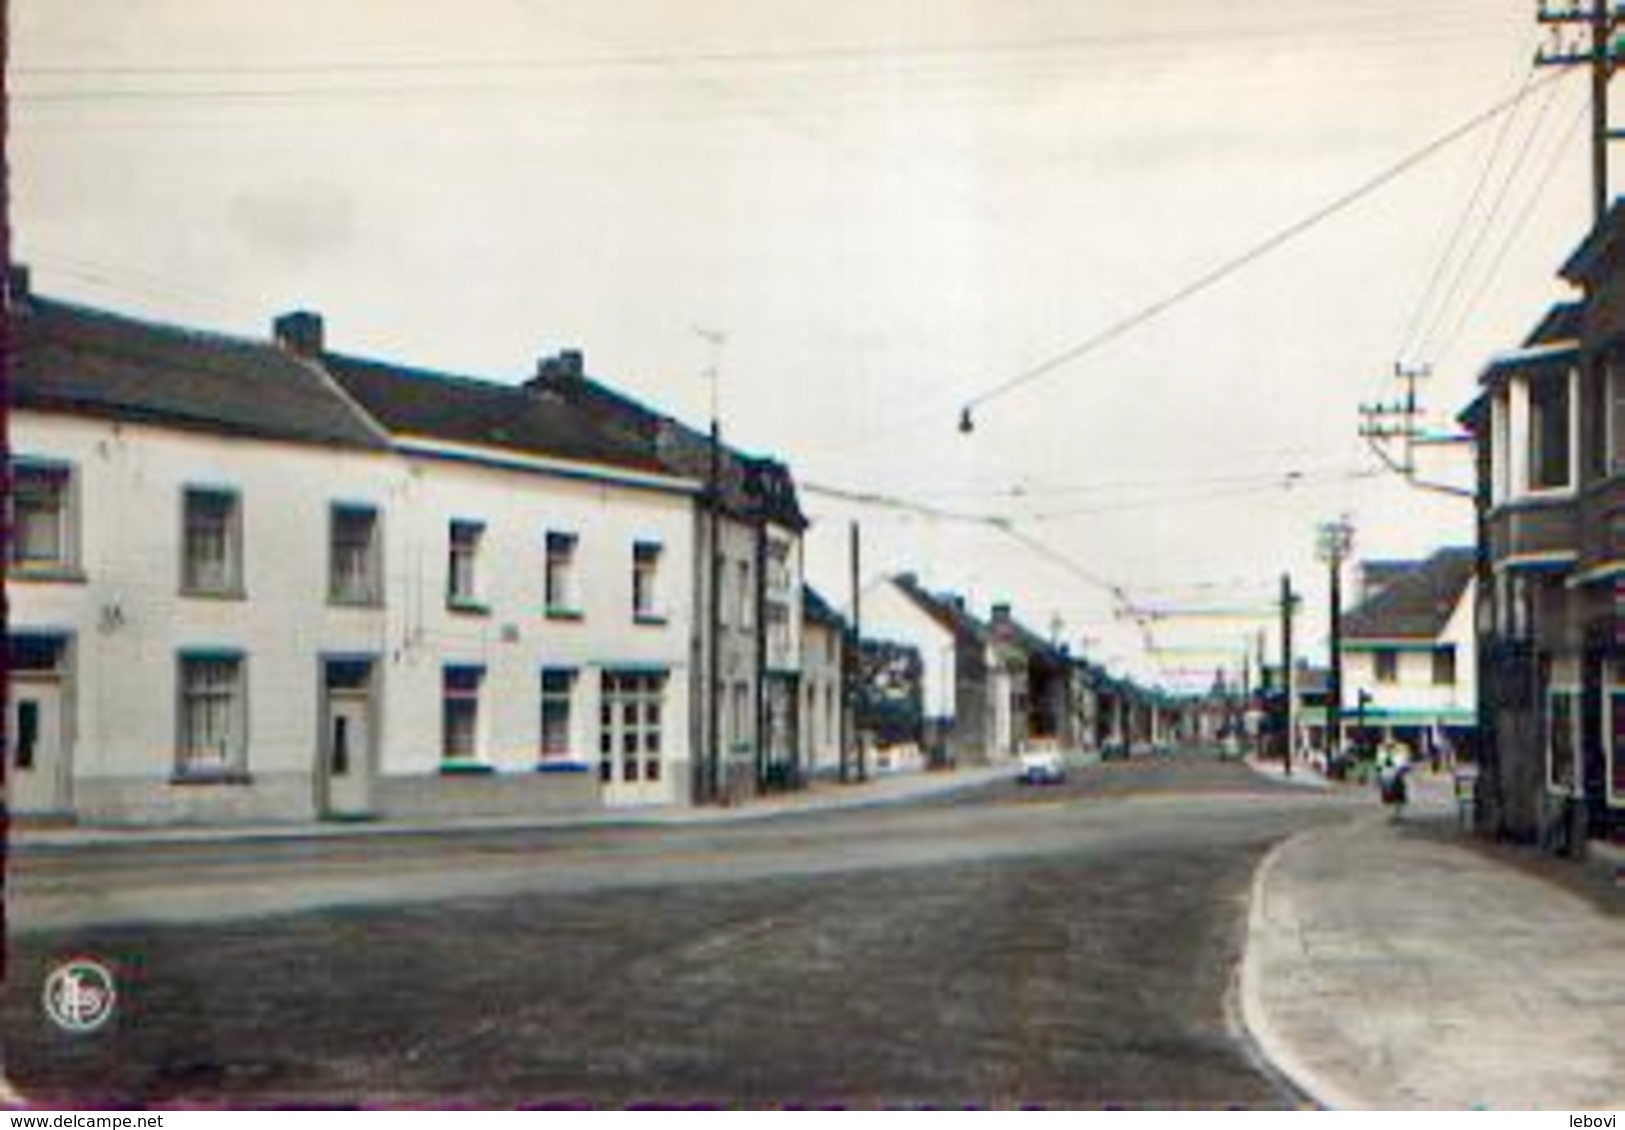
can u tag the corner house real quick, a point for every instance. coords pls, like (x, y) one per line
(256, 581)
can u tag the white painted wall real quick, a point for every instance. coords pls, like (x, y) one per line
(890, 614)
(821, 699)
(516, 639)
(1413, 688)
(128, 620)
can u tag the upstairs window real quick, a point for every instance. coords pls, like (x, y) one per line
(1444, 667)
(1551, 441)
(561, 595)
(1614, 381)
(356, 557)
(462, 576)
(42, 517)
(1387, 666)
(212, 550)
(746, 593)
(646, 582)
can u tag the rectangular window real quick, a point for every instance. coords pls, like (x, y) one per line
(741, 716)
(646, 581)
(462, 563)
(561, 596)
(1614, 379)
(211, 734)
(42, 517)
(1551, 438)
(1444, 667)
(1562, 745)
(558, 689)
(746, 595)
(356, 557)
(1613, 733)
(460, 713)
(1387, 666)
(212, 562)
(631, 727)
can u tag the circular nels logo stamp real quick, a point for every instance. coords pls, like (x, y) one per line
(80, 995)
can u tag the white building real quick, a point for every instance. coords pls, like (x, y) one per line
(823, 706)
(1408, 651)
(970, 687)
(253, 582)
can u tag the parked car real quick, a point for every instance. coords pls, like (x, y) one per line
(1042, 767)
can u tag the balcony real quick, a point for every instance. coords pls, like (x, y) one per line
(1534, 532)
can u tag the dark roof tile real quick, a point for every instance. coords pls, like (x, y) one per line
(1417, 604)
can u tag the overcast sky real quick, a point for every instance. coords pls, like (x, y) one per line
(889, 206)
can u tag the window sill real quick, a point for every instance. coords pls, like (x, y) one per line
(49, 574)
(465, 769)
(468, 608)
(214, 594)
(649, 620)
(567, 614)
(562, 766)
(211, 777)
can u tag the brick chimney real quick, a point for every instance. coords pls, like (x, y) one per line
(300, 333)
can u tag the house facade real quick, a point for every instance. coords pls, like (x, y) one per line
(823, 686)
(1550, 430)
(1408, 655)
(746, 585)
(261, 581)
(967, 686)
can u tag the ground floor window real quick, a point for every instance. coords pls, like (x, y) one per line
(1613, 723)
(631, 720)
(1562, 739)
(460, 713)
(558, 689)
(212, 730)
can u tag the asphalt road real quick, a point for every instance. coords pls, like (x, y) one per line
(1069, 946)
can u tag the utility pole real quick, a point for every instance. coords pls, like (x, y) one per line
(1336, 543)
(1288, 608)
(1591, 47)
(709, 779)
(855, 761)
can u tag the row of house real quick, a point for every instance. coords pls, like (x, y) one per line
(1549, 426)
(992, 688)
(267, 580)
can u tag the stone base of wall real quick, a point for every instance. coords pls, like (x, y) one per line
(458, 796)
(271, 798)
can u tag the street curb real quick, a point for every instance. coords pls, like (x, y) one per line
(1274, 1048)
(20, 843)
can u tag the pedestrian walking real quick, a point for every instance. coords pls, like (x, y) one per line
(1392, 767)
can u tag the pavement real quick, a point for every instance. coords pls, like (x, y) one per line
(819, 796)
(1402, 965)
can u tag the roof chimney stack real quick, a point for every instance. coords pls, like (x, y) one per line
(300, 333)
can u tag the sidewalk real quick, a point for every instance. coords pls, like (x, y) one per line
(1391, 967)
(821, 796)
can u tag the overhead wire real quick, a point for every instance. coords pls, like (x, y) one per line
(1258, 251)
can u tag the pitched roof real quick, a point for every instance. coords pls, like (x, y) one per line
(946, 609)
(1418, 604)
(817, 610)
(1583, 262)
(73, 358)
(462, 409)
(751, 487)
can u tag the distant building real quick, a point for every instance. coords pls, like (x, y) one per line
(1408, 669)
(823, 669)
